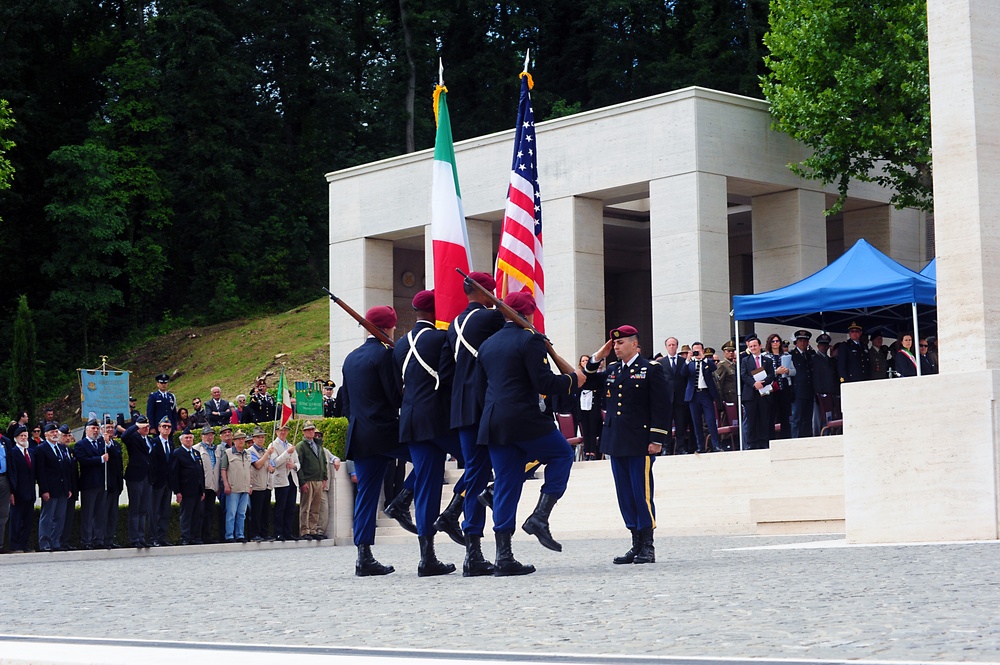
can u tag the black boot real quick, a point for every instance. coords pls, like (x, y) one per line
(629, 556)
(429, 564)
(506, 564)
(475, 563)
(646, 553)
(448, 522)
(399, 510)
(367, 566)
(537, 523)
(486, 496)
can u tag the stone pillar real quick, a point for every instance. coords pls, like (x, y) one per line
(361, 274)
(574, 275)
(481, 245)
(689, 243)
(913, 472)
(789, 237)
(895, 233)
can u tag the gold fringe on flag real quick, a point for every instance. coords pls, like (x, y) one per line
(438, 89)
(531, 84)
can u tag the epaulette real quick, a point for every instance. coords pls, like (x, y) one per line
(654, 362)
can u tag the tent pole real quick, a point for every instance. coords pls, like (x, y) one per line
(916, 337)
(739, 381)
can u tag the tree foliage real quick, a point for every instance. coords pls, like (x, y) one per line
(849, 78)
(23, 382)
(6, 122)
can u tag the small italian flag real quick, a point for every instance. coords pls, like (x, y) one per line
(285, 412)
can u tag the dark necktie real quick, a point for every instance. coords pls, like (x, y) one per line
(27, 458)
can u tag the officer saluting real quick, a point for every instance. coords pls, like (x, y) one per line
(635, 430)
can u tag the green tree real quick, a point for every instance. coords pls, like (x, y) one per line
(6, 122)
(23, 383)
(849, 79)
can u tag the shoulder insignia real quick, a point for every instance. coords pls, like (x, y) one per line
(545, 361)
(654, 362)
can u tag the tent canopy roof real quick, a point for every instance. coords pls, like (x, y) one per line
(863, 285)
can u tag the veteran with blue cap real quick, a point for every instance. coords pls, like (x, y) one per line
(635, 430)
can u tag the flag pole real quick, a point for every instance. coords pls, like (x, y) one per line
(527, 57)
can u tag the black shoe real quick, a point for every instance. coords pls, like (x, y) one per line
(367, 566)
(486, 496)
(399, 510)
(319, 536)
(537, 523)
(241, 540)
(166, 543)
(429, 564)
(475, 563)
(185, 542)
(146, 544)
(629, 556)
(155, 543)
(88, 547)
(138, 544)
(113, 546)
(646, 553)
(197, 542)
(257, 539)
(506, 565)
(307, 536)
(448, 522)
(230, 540)
(280, 539)
(68, 548)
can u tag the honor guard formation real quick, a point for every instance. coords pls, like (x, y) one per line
(482, 392)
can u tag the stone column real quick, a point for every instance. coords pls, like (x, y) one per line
(361, 274)
(895, 233)
(789, 237)
(481, 244)
(574, 275)
(689, 243)
(914, 472)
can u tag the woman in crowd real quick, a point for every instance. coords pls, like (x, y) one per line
(904, 361)
(183, 420)
(588, 414)
(776, 350)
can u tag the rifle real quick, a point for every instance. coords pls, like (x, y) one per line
(365, 323)
(516, 317)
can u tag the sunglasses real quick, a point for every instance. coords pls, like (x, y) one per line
(923, 346)
(36, 430)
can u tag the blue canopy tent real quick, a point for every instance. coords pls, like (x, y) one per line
(863, 285)
(930, 270)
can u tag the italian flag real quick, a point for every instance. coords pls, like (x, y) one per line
(448, 231)
(284, 413)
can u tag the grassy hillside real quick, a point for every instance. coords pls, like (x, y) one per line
(230, 355)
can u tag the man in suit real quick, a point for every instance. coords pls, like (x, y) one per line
(138, 478)
(756, 407)
(20, 468)
(161, 403)
(219, 411)
(159, 505)
(513, 371)
(825, 381)
(458, 369)
(186, 478)
(804, 394)
(93, 458)
(370, 399)
(115, 468)
(853, 362)
(679, 413)
(66, 445)
(702, 396)
(52, 472)
(424, 426)
(634, 432)
(5, 489)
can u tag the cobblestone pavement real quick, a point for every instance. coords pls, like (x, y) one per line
(701, 598)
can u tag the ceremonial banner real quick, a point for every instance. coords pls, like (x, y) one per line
(448, 230)
(519, 259)
(103, 392)
(308, 399)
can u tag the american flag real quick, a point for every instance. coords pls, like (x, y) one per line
(519, 259)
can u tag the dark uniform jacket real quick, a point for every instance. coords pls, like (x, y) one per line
(139, 461)
(52, 471)
(21, 477)
(853, 362)
(370, 398)
(634, 397)
(825, 381)
(115, 464)
(89, 454)
(458, 361)
(726, 375)
(159, 462)
(158, 406)
(186, 474)
(514, 371)
(424, 413)
(260, 408)
(689, 371)
(878, 361)
(747, 367)
(802, 382)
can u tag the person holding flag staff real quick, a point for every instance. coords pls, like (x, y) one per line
(513, 371)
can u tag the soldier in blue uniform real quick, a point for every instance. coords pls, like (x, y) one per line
(161, 403)
(802, 385)
(458, 368)
(634, 433)
(424, 425)
(853, 363)
(371, 399)
(514, 370)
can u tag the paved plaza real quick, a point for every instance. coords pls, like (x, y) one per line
(716, 597)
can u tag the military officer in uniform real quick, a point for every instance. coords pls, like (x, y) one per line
(331, 406)
(513, 371)
(371, 399)
(878, 356)
(825, 380)
(803, 394)
(725, 373)
(161, 403)
(138, 480)
(458, 368)
(853, 363)
(186, 478)
(634, 432)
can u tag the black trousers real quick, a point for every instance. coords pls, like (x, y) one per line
(590, 428)
(758, 417)
(191, 514)
(140, 496)
(110, 518)
(681, 419)
(260, 514)
(160, 513)
(22, 515)
(208, 516)
(68, 522)
(284, 510)
(93, 514)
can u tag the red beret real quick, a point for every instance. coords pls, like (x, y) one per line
(521, 302)
(623, 331)
(483, 279)
(424, 301)
(382, 316)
